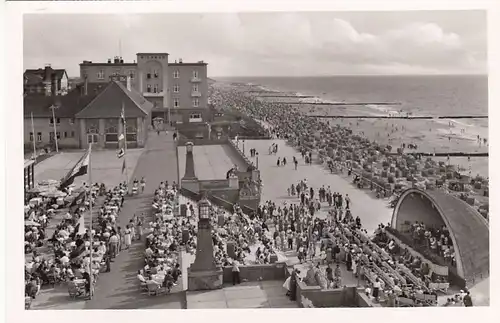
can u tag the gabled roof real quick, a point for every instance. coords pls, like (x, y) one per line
(67, 105)
(108, 103)
(37, 76)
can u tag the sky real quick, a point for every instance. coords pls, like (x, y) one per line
(269, 44)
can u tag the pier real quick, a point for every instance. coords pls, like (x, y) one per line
(445, 154)
(335, 103)
(398, 117)
(287, 96)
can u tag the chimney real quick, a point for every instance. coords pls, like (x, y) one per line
(109, 60)
(129, 85)
(180, 60)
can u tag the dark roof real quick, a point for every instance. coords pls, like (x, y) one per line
(469, 230)
(68, 105)
(189, 64)
(107, 64)
(152, 54)
(109, 102)
(37, 76)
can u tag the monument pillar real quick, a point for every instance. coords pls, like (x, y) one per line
(190, 181)
(204, 273)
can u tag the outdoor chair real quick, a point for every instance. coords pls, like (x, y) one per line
(27, 302)
(153, 288)
(405, 302)
(75, 291)
(143, 285)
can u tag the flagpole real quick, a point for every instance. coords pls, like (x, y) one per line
(125, 145)
(55, 128)
(34, 136)
(90, 208)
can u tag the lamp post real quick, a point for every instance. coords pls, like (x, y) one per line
(257, 158)
(204, 208)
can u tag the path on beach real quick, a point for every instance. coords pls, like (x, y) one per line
(276, 180)
(119, 288)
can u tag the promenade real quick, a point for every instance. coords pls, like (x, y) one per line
(276, 180)
(119, 288)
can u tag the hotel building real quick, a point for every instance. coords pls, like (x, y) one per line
(178, 90)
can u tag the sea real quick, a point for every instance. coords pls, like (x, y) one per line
(414, 95)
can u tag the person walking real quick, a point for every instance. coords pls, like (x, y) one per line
(467, 300)
(128, 237)
(143, 184)
(236, 273)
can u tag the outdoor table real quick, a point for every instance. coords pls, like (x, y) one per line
(35, 201)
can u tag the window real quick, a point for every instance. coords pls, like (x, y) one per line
(65, 134)
(195, 117)
(100, 75)
(148, 76)
(195, 87)
(51, 121)
(39, 136)
(176, 74)
(131, 74)
(176, 102)
(155, 73)
(196, 103)
(176, 88)
(72, 134)
(149, 88)
(155, 89)
(72, 121)
(51, 135)
(195, 74)
(31, 136)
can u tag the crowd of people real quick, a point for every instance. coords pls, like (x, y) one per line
(161, 269)
(65, 255)
(390, 271)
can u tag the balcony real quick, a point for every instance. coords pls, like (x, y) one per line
(195, 80)
(152, 94)
(195, 94)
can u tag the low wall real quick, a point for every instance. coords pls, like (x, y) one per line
(314, 296)
(202, 142)
(214, 184)
(257, 272)
(239, 153)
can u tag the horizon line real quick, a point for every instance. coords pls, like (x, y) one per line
(343, 75)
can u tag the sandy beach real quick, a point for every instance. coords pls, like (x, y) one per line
(440, 136)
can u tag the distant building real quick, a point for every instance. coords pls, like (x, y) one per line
(178, 91)
(45, 81)
(89, 113)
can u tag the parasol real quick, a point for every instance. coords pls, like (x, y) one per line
(31, 223)
(54, 194)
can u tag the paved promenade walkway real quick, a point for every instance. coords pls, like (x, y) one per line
(276, 180)
(119, 289)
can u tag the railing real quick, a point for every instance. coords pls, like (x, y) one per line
(228, 206)
(196, 94)
(195, 80)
